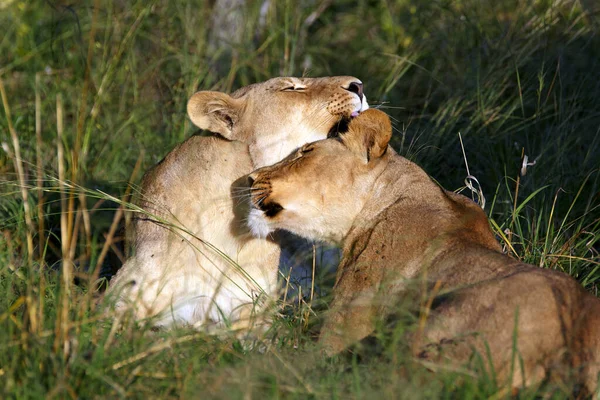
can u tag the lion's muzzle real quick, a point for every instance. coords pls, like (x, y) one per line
(261, 206)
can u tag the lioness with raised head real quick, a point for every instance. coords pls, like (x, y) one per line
(395, 224)
(195, 261)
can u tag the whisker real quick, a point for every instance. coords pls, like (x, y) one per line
(242, 192)
(261, 199)
(382, 105)
(315, 109)
(258, 191)
(239, 197)
(241, 189)
(327, 121)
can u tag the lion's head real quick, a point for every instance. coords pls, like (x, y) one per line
(318, 190)
(288, 112)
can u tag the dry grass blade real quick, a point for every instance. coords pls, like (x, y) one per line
(470, 179)
(87, 224)
(18, 162)
(60, 155)
(39, 167)
(67, 272)
(155, 349)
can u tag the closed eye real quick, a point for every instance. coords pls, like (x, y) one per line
(293, 89)
(303, 150)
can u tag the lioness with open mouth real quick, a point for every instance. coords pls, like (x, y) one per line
(395, 224)
(195, 261)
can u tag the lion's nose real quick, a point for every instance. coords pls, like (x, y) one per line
(356, 87)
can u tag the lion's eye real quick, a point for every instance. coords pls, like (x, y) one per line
(293, 89)
(303, 150)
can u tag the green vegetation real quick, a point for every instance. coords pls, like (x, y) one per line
(514, 77)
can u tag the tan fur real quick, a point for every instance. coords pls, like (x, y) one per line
(400, 231)
(195, 262)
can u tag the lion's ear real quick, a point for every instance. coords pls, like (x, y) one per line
(369, 134)
(214, 111)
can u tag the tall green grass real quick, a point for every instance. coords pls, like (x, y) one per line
(95, 93)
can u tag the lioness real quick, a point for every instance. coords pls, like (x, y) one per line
(395, 224)
(189, 244)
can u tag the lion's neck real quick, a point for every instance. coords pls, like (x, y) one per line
(421, 222)
(401, 181)
(268, 148)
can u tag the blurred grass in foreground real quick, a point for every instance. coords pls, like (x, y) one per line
(95, 93)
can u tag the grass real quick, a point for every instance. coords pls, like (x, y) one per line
(95, 92)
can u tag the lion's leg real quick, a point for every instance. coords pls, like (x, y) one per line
(497, 358)
(342, 328)
(587, 336)
(257, 276)
(168, 284)
(127, 289)
(520, 334)
(350, 319)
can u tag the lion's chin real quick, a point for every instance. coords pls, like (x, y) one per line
(258, 224)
